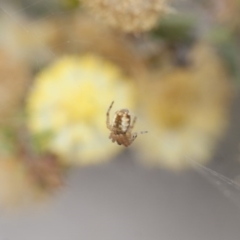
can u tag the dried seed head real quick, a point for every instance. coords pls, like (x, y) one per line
(129, 15)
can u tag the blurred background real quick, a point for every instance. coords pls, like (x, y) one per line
(174, 65)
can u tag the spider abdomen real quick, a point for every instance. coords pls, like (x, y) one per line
(121, 121)
(121, 127)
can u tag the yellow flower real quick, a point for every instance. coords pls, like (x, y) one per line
(70, 99)
(186, 111)
(129, 15)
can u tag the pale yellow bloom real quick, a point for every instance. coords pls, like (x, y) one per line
(186, 111)
(70, 99)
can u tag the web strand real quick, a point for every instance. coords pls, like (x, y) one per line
(225, 185)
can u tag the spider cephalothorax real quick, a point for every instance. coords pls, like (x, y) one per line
(121, 127)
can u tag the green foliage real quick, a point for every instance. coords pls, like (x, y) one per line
(8, 140)
(175, 29)
(225, 40)
(70, 4)
(41, 141)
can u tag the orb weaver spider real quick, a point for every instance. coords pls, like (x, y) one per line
(121, 127)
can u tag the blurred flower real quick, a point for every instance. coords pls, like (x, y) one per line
(15, 187)
(85, 34)
(129, 15)
(227, 12)
(23, 183)
(69, 101)
(26, 178)
(186, 110)
(32, 41)
(46, 172)
(14, 77)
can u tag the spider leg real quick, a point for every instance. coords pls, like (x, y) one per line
(132, 124)
(111, 136)
(119, 139)
(125, 140)
(108, 113)
(134, 135)
(142, 132)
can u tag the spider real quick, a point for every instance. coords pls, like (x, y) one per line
(121, 128)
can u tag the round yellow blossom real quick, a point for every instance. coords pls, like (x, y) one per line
(129, 15)
(70, 99)
(186, 111)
